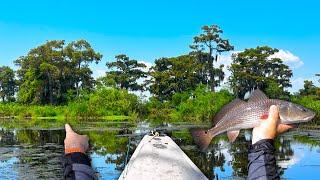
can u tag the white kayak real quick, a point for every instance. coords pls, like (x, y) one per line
(159, 157)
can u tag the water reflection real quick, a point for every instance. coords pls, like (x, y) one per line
(37, 153)
(28, 154)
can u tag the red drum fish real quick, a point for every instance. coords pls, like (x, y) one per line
(240, 114)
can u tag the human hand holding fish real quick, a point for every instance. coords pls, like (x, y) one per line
(271, 127)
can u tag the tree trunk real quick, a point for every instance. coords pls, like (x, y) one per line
(211, 72)
(77, 87)
(78, 78)
(50, 89)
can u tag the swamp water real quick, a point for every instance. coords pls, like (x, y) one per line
(37, 153)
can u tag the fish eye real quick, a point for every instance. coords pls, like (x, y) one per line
(303, 109)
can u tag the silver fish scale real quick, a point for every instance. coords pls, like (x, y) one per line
(244, 117)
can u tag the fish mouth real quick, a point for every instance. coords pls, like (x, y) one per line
(309, 117)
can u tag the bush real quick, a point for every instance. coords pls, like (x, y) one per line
(46, 111)
(104, 102)
(101, 103)
(201, 106)
(158, 111)
(13, 109)
(310, 102)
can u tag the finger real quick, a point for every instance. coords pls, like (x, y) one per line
(86, 146)
(85, 137)
(273, 116)
(68, 128)
(85, 141)
(284, 127)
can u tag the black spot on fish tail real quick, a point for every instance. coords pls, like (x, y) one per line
(202, 138)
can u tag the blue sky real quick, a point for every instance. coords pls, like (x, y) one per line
(146, 30)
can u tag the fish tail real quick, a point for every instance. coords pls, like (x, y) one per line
(202, 138)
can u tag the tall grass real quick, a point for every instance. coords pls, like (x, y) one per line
(29, 111)
(109, 104)
(104, 103)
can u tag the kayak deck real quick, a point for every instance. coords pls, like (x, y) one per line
(159, 157)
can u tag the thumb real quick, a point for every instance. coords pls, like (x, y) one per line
(85, 137)
(273, 116)
(68, 128)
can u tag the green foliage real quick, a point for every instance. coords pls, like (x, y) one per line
(106, 81)
(9, 109)
(104, 102)
(107, 142)
(201, 105)
(311, 102)
(47, 111)
(158, 111)
(127, 73)
(111, 101)
(50, 71)
(8, 84)
(55, 80)
(206, 48)
(274, 91)
(254, 68)
(307, 140)
(32, 111)
(174, 75)
(309, 89)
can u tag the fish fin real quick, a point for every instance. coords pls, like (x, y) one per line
(257, 95)
(232, 135)
(202, 138)
(233, 104)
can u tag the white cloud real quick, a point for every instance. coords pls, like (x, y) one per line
(292, 161)
(98, 72)
(288, 58)
(297, 83)
(146, 69)
(297, 158)
(148, 64)
(226, 60)
(145, 94)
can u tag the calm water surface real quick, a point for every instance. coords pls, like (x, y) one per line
(36, 153)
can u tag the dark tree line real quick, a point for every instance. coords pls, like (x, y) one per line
(186, 72)
(125, 72)
(309, 89)
(53, 72)
(253, 68)
(174, 75)
(57, 72)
